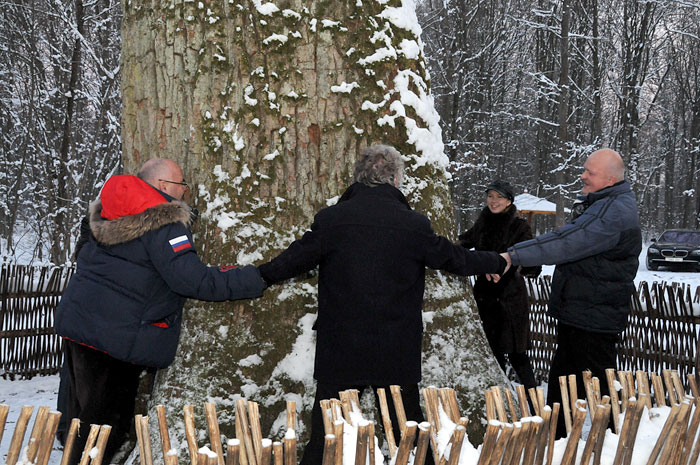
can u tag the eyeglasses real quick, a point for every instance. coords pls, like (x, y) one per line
(181, 183)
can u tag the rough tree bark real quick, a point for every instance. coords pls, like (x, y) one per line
(265, 106)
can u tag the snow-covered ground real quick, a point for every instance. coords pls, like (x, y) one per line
(41, 391)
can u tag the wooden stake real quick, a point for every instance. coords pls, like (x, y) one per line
(146, 437)
(573, 395)
(535, 401)
(692, 432)
(190, 433)
(590, 396)
(361, 445)
(327, 415)
(643, 387)
(233, 452)
(566, 405)
(18, 436)
(663, 436)
(540, 400)
(370, 439)
(47, 438)
(614, 401)
(266, 447)
(501, 444)
(422, 446)
(346, 405)
(522, 400)
(598, 418)
(641, 402)
(338, 426)
(290, 447)
(243, 433)
(684, 427)
(101, 444)
(406, 444)
(659, 393)
(679, 424)
(292, 415)
(543, 434)
(329, 450)
(90, 443)
(552, 432)
(431, 409)
(514, 444)
(672, 398)
(398, 406)
(255, 430)
(489, 441)
(336, 410)
(386, 421)
(691, 381)
(511, 406)
(165, 436)
(678, 385)
(277, 453)
(4, 410)
(37, 431)
(572, 442)
(70, 441)
(490, 406)
(598, 448)
(531, 442)
(456, 448)
(624, 441)
(500, 405)
(625, 394)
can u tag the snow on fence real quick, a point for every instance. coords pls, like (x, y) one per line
(28, 300)
(654, 421)
(662, 332)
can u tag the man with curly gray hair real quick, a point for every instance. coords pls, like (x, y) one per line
(372, 250)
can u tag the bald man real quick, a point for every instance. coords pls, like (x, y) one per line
(122, 309)
(596, 258)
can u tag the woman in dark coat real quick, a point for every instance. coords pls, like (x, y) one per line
(503, 305)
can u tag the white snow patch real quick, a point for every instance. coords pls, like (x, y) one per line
(345, 88)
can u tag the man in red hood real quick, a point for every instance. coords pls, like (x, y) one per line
(122, 310)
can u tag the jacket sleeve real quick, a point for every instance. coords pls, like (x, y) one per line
(594, 232)
(301, 256)
(442, 254)
(467, 239)
(171, 251)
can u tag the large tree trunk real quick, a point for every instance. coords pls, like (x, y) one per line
(266, 107)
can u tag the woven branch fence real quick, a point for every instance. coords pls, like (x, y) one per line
(662, 331)
(28, 299)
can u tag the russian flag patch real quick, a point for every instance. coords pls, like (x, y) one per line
(180, 243)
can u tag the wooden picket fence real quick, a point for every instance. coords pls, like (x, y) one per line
(514, 434)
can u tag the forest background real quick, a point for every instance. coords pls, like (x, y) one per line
(525, 92)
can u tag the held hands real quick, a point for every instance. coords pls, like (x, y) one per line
(496, 277)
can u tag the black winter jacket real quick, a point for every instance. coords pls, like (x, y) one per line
(134, 274)
(597, 256)
(372, 250)
(503, 305)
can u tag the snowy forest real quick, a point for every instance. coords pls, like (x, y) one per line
(525, 91)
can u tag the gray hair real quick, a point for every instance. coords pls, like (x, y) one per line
(379, 164)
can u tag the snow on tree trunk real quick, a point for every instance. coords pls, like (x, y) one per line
(265, 106)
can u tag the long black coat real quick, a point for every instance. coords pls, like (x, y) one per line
(372, 250)
(503, 306)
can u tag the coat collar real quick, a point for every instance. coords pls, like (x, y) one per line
(382, 190)
(618, 188)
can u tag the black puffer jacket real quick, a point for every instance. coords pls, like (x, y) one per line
(503, 306)
(372, 250)
(134, 273)
(597, 256)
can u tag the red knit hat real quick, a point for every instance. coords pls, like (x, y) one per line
(125, 195)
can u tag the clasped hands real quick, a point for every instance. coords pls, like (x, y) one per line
(497, 277)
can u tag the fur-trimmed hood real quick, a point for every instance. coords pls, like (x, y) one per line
(128, 228)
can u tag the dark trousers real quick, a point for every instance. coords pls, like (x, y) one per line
(521, 364)
(102, 392)
(313, 452)
(578, 351)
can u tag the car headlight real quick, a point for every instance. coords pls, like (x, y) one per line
(695, 253)
(653, 250)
